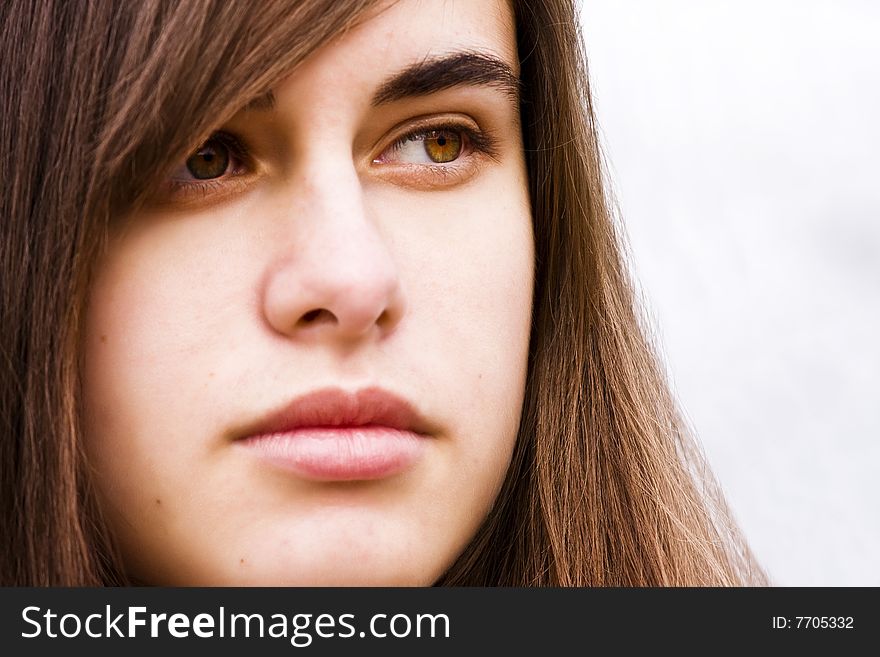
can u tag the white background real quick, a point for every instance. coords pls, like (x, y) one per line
(744, 147)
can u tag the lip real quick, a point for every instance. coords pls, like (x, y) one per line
(336, 435)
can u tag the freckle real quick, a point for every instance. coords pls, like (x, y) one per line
(211, 374)
(104, 338)
(158, 502)
(241, 561)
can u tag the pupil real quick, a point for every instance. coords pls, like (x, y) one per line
(441, 141)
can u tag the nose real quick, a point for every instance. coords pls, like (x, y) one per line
(336, 279)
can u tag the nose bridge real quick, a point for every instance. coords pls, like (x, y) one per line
(344, 240)
(339, 279)
(332, 197)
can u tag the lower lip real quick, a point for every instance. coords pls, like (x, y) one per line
(340, 453)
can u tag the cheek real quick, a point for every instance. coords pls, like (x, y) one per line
(154, 325)
(160, 311)
(467, 258)
(468, 263)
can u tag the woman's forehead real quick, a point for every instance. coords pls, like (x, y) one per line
(400, 35)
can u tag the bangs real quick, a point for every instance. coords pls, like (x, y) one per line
(183, 69)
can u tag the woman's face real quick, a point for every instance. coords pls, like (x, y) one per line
(305, 362)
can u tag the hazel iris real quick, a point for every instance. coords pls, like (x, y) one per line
(442, 145)
(211, 160)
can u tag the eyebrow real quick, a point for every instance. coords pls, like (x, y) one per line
(265, 102)
(472, 69)
(429, 76)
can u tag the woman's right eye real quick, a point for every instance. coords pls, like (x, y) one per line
(210, 161)
(221, 155)
(219, 168)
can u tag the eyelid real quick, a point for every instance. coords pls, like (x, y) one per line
(203, 193)
(480, 139)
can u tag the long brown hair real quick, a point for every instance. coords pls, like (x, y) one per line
(606, 486)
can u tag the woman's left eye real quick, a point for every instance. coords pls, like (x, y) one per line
(428, 147)
(438, 156)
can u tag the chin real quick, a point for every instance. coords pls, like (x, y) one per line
(339, 574)
(364, 567)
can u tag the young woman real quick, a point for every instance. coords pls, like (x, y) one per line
(326, 293)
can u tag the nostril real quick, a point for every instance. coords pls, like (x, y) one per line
(315, 315)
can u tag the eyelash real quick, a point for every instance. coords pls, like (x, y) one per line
(476, 143)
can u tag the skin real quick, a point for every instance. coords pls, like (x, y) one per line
(330, 260)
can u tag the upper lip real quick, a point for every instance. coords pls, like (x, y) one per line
(334, 407)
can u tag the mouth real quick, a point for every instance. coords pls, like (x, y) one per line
(334, 435)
